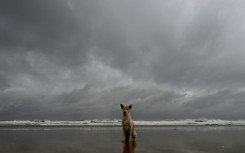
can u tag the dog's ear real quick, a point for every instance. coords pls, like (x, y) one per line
(130, 106)
(122, 106)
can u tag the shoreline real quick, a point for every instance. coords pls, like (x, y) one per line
(99, 126)
(117, 123)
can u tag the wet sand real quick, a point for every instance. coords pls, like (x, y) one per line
(172, 139)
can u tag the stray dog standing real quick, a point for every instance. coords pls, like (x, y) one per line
(128, 124)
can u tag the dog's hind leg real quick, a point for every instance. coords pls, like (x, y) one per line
(134, 134)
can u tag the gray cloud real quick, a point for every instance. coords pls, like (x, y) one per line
(80, 59)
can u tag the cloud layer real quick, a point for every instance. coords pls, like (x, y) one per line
(80, 59)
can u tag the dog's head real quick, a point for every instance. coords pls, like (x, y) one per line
(126, 109)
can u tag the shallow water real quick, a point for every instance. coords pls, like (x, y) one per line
(173, 139)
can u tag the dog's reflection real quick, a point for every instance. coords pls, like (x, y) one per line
(129, 147)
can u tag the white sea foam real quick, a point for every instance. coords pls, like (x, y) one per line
(190, 122)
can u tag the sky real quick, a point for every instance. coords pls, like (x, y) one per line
(76, 60)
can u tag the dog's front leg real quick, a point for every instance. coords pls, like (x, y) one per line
(127, 136)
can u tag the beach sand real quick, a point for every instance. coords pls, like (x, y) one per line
(169, 139)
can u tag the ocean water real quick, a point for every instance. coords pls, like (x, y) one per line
(169, 139)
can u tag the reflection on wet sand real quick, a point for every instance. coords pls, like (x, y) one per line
(216, 139)
(129, 147)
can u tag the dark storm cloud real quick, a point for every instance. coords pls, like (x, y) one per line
(49, 27)
(178, 43)
(71, 59)
(222, 104)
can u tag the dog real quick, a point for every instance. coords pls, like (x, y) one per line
(127, 124)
